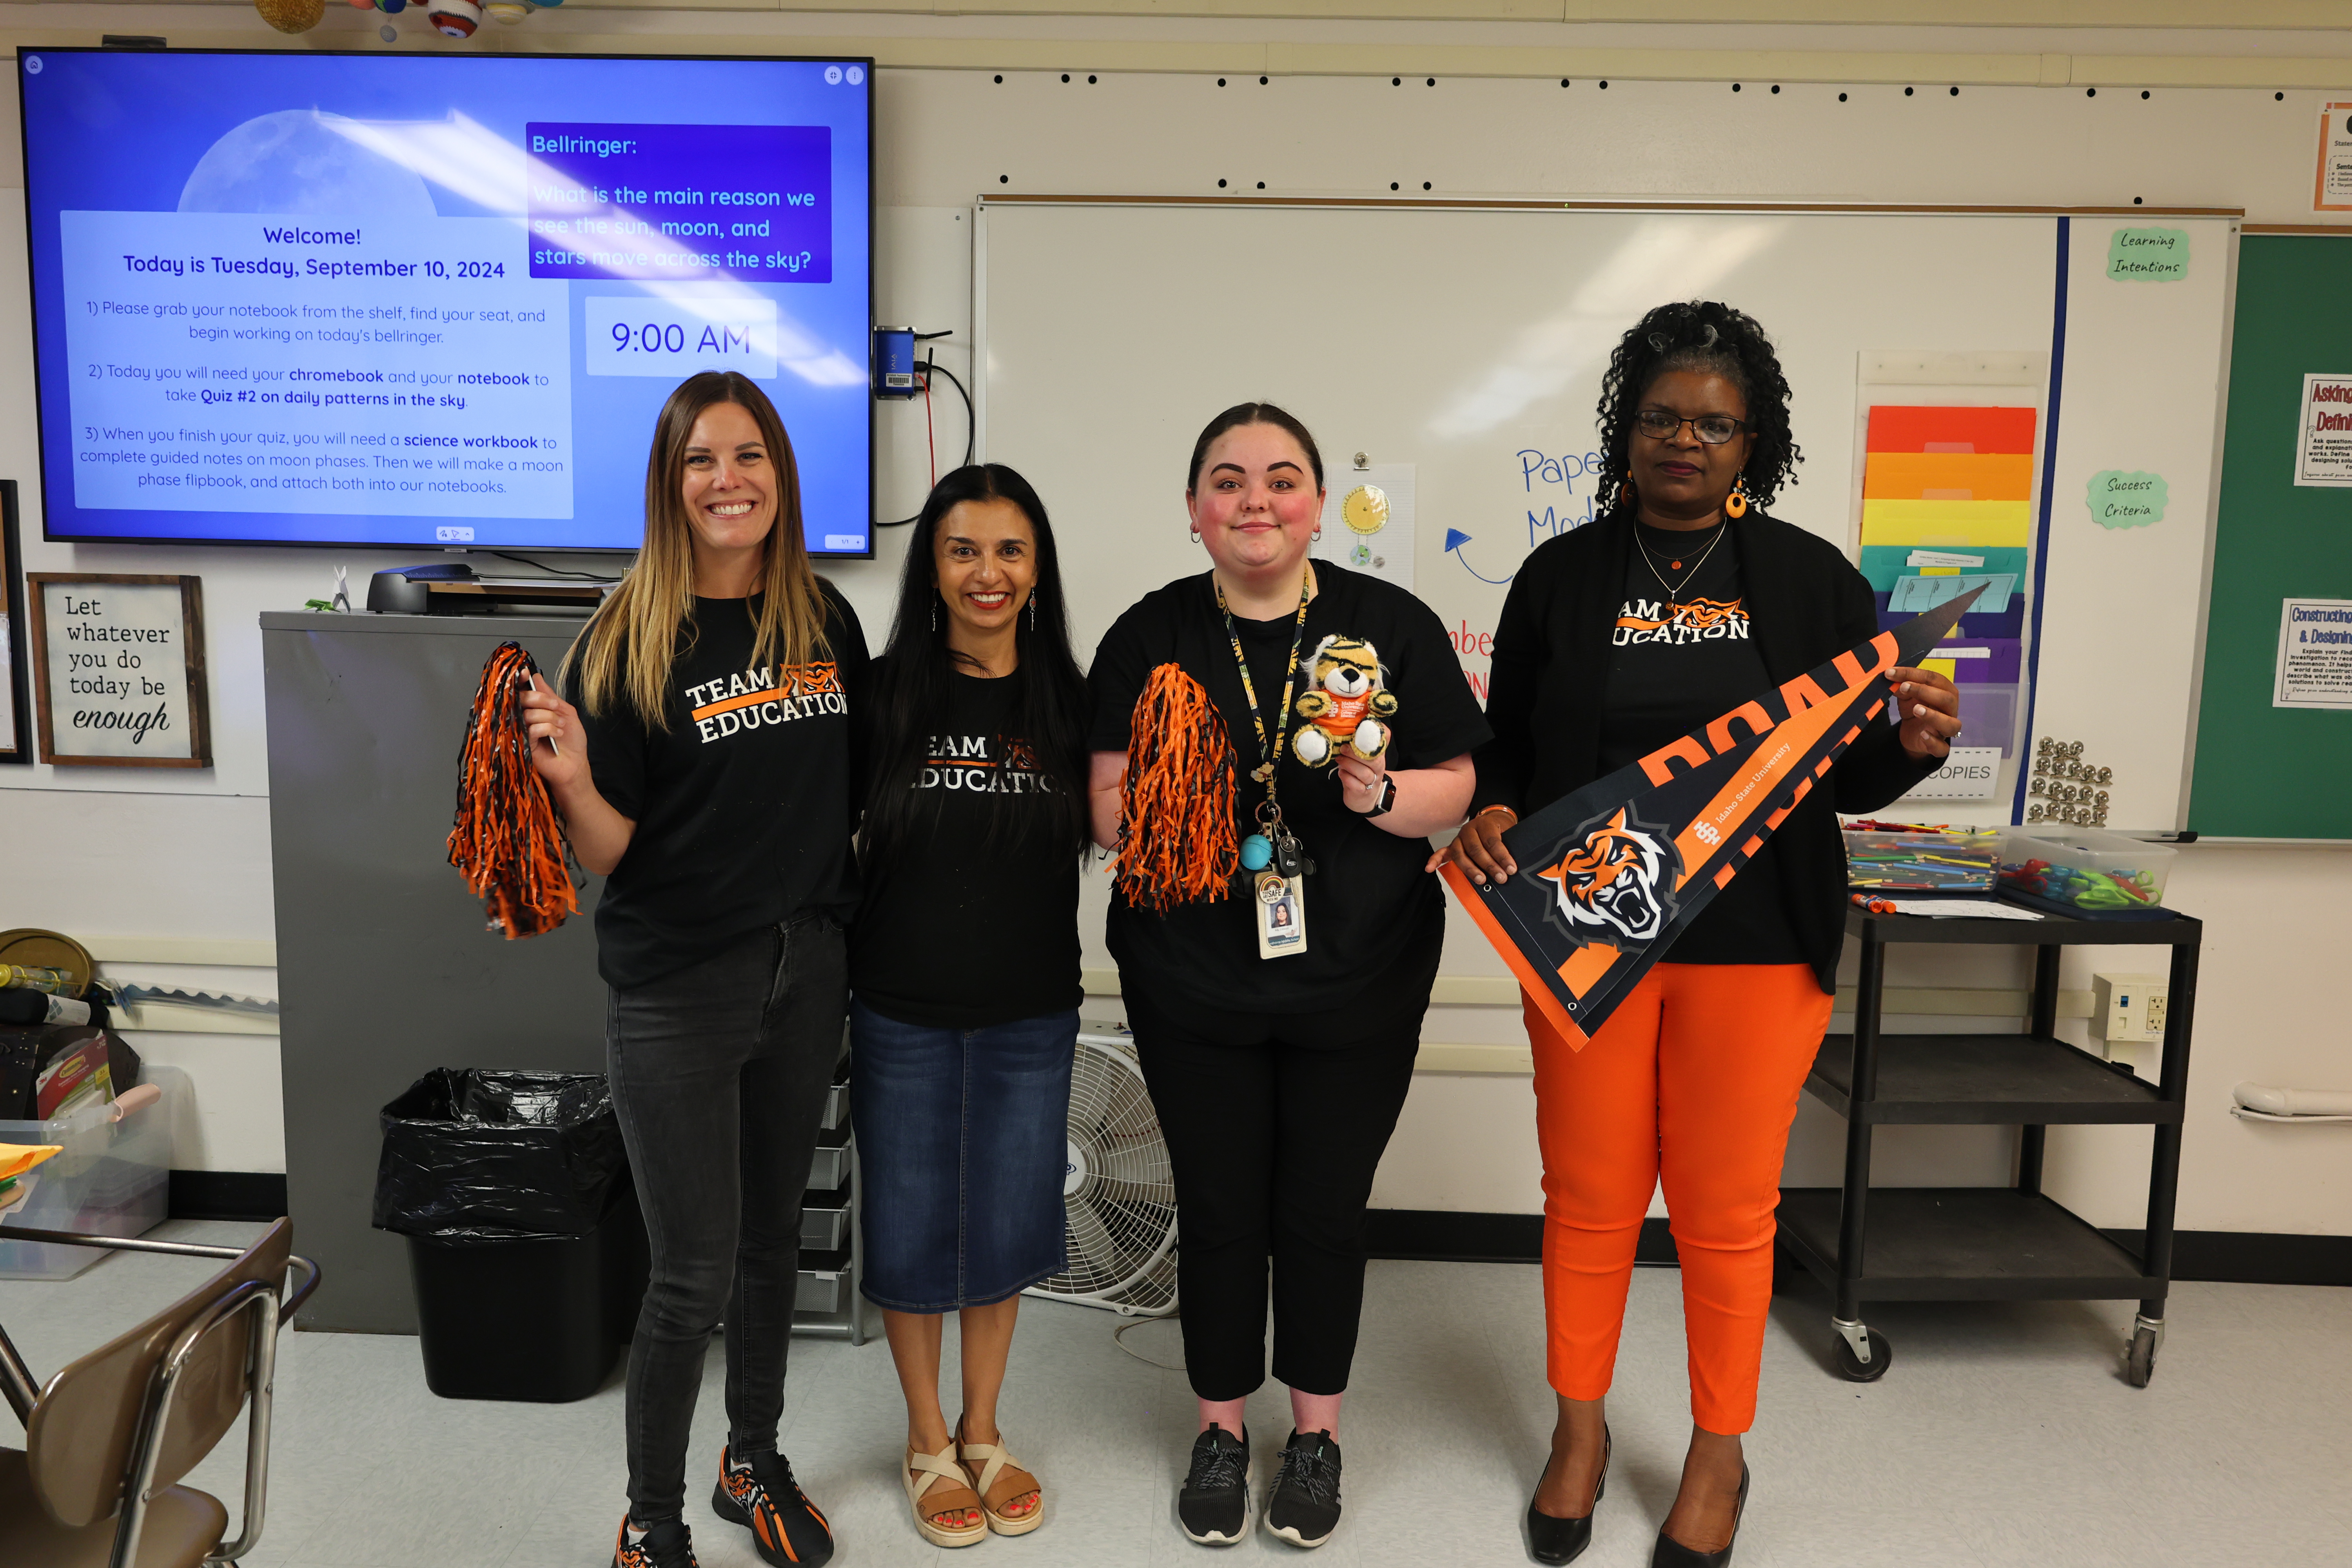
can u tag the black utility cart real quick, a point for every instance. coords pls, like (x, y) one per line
(1999, 1243)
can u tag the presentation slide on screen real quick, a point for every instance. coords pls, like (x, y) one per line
(435, 302)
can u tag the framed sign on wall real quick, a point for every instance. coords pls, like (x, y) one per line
(16, 735)
(118, 666)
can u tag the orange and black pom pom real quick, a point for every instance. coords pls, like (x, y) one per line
(507, 841)
(1176, 839)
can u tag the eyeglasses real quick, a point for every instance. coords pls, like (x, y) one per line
(1714, 429)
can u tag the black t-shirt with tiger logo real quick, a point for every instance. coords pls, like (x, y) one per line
(1678, 661)
(1375, 920)
(743, 804)
(971, 919)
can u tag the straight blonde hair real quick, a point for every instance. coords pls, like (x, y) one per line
(631, 642)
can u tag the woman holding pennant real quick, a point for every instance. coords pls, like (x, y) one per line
(1272, 741)
(1681, 602)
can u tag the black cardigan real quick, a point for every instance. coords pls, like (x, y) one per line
(1550, 687)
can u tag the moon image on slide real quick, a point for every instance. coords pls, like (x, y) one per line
(296, 160)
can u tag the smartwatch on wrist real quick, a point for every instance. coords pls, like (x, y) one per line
(1387, 797)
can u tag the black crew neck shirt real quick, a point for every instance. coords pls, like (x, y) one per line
(970, 919)
(1676, 661)
(743, 803)
(1375, 922)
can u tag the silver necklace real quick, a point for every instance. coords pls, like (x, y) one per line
(1674, 590)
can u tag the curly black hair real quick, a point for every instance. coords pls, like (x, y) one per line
(1702, 335)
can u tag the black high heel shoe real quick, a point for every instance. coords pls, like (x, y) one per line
(1672, 1554)
(1556, 1541)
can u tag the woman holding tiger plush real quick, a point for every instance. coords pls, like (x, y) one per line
(1679, 602)
(1272, 741)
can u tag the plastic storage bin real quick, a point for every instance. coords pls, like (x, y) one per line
(1925, 861)
(114, 1178)
(2086, 869)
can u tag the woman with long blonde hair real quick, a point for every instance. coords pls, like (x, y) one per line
(706, 774)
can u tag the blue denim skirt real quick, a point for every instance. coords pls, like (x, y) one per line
(963, 1147)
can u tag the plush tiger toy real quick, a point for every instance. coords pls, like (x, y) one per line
(1345, 703)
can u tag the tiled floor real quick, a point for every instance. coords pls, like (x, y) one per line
(2004, 1434)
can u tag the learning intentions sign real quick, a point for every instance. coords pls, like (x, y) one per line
(119, 666)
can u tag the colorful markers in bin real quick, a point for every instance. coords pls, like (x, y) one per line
(1899, 858)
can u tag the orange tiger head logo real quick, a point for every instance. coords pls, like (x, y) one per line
(1615, 876)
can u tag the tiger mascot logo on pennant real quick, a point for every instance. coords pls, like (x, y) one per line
(1614, 877)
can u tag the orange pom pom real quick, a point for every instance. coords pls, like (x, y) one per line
(506, 840)
(1176, 838)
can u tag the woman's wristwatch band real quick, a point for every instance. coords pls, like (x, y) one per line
(1387, 800)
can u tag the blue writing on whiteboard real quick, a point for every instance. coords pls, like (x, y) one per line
(1555, 522)
(1454, 540)
(1540, 467)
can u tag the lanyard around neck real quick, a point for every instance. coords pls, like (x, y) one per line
(1269, 749)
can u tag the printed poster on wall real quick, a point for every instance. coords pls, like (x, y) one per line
(2332, 192)
(2315, 655)
(2322, 447)
(119, 666)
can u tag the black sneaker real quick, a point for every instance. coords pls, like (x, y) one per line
(759, 1494)
(667, 1545)
(1214, 1507)
(1304, 1506)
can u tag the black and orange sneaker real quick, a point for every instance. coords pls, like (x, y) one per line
(668, 1544)
(759, 1494)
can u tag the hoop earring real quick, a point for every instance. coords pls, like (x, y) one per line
(1196, 536)
(1736, 503)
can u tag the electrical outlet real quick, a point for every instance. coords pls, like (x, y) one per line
(2127, 1009)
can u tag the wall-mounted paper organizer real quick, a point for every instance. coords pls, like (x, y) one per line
(1947, 459)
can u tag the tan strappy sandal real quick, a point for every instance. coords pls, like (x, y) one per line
(1001, 1479)
(945, 1488)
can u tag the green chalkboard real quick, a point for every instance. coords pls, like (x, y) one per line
(2263, 772)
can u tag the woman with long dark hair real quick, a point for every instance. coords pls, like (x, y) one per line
(964, 962)
(706, 775)
(1678, 603)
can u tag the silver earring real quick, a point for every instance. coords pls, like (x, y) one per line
(1032, 612)
(1196, 536)
(935, 612)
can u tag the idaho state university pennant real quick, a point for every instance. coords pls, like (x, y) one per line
(1610, 875)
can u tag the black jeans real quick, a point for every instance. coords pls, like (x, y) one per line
(1273, 1136)
(719, 1076)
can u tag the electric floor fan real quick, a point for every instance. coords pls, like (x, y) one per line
(1118, 1193)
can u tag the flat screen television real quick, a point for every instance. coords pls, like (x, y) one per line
(405, 299)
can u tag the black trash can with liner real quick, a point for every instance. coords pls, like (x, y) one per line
(525, 1244)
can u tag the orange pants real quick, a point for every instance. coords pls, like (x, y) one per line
(1693, 1081)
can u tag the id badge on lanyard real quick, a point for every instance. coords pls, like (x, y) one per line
(1276, 864)
(1280, 890)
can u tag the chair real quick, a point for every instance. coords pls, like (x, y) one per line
(107, 1440)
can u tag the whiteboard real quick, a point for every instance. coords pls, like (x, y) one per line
(1469, 343)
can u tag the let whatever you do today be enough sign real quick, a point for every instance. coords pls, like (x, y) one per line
(119, 663)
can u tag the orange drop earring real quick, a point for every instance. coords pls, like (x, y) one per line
(1736, 504)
